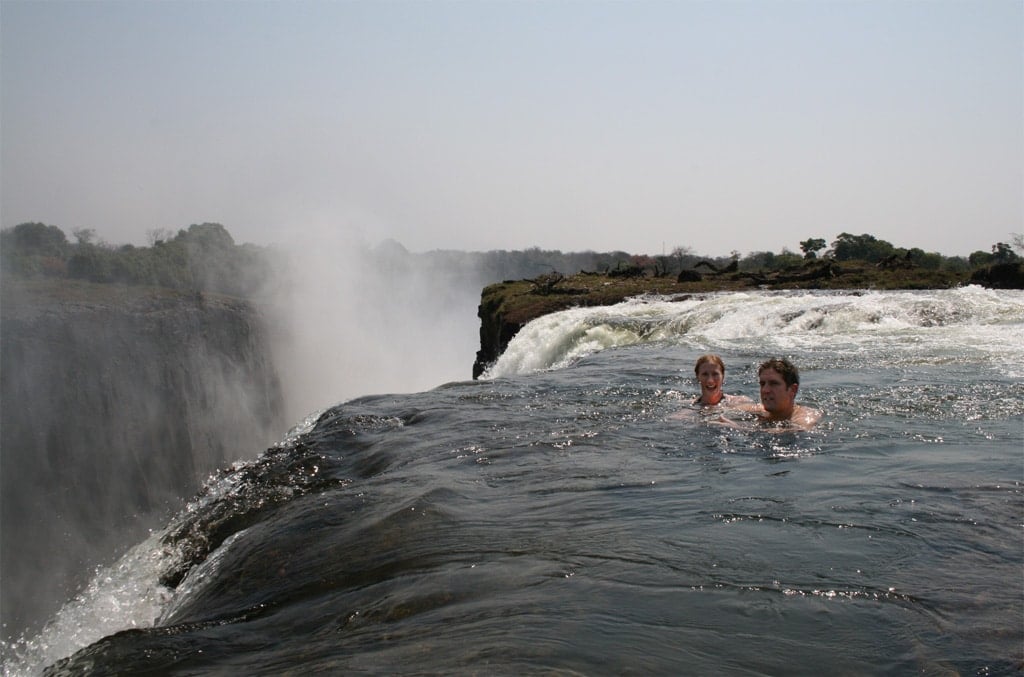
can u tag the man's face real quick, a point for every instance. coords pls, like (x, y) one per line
(776, 396)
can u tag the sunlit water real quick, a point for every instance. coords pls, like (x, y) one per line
(558, 517)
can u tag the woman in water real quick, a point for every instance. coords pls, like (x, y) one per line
(710, 371)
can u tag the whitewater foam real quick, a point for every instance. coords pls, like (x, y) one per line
(125, 595)
(950, 323)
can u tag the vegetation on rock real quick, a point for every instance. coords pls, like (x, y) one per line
(205, 257)
(854, 262)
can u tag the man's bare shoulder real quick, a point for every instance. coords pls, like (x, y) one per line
(805, 417)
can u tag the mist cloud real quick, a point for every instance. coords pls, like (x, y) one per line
(348, 320)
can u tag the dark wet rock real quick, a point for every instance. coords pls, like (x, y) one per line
(1000, 276)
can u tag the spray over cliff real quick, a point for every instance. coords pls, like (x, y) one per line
(117, 403)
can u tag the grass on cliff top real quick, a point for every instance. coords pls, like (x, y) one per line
(520, 301)
(20, 293)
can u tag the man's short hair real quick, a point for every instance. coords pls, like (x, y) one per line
(790, 374)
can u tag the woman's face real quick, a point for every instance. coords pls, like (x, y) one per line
(710, 376)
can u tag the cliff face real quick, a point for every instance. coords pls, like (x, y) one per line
(116, 404)
(507, 306)
(495, 329)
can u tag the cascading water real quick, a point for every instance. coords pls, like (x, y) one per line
(557, 516)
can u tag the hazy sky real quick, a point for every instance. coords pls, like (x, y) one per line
(481, 125)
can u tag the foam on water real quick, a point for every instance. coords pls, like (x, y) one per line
(922, 395)
(127, 594)
(122, 596)
(933, 327)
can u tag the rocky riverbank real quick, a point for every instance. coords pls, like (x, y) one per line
(507, 306)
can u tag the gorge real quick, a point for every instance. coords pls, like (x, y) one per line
(117, 403)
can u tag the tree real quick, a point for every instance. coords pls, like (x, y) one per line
(811, 246)
(93, 264)
(923, 259)
(207, 235)
(759, 261)
(210, 258)
(787, 259)
(861, 247)
(38, 239)
(31, 249)
(1003, 253)
(979, 258)
(84, 236)
(158, 236)
(684, 257)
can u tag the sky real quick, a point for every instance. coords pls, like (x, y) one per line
(481, 125)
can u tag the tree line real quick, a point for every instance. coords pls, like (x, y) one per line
(205, 258)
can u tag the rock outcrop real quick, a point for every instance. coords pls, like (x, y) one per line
(117, 402)
(507, 306)
(1000, 276)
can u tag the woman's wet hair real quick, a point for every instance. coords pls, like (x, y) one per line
(710, 357)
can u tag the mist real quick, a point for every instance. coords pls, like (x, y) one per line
(347, 319)
(121, 399)
(116, 406)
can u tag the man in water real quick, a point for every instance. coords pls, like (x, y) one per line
(779, 381)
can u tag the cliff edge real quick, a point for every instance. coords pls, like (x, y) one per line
(506, 307)
(116, 402)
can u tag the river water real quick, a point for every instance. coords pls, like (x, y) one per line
(559, 517)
